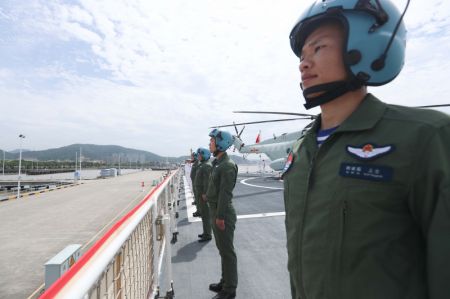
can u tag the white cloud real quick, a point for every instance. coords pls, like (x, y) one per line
(155, 75)
(83, 34)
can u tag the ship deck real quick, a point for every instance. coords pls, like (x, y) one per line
(260, 243)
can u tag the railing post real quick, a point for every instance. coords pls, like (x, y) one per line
(175, 201)
(117, 277)
(168, 249)
(155, 286)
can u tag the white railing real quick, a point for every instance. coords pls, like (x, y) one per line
(133, 259)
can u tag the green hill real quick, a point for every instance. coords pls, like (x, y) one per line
(105, 153)
(91, 152)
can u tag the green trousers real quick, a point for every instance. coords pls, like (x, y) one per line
(224, 242)
(203, 208)
(197, 208)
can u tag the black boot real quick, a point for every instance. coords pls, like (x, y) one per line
(225, 295)
(216, 287)
(205, 239)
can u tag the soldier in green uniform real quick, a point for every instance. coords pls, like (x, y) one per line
(201, 186)
(223, 216)
(367, 188)
(194, 167)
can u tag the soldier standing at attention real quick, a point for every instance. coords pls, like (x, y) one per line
(201, 186)
(223, 216)
(193, 173)
(367, 188)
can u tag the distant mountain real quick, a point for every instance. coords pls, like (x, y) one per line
(107, 153)
(17, 151)
(92, 152)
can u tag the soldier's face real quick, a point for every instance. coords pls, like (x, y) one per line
(212, 145)
(321, 57)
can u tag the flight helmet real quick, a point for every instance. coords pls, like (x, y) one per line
(374, 43)
(223, 139)
(204, 153)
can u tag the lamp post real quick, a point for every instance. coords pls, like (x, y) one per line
(80, 165)
(75, 174)
(22, 137)
(3, 162)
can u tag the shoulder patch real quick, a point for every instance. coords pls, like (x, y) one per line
(369, 151)
(288, 164)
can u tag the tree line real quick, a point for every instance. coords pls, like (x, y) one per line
(12, 166)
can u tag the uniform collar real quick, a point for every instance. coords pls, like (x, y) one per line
(224, 157)
(365, 117)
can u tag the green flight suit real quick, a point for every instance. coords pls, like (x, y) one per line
(219, 196)
(192, 175)
(201, 186)
(368, 213)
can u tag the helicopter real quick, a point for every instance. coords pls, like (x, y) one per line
(278, 147)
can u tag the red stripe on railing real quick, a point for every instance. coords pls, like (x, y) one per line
(66, 277)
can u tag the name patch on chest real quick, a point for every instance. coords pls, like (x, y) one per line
(366, 172)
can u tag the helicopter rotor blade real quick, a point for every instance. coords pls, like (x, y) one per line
(235, 128)
(260, 122)
(240, 133)
(433, 106)
(312, 116)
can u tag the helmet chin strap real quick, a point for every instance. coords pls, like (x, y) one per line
(217, 152)
(330, 91)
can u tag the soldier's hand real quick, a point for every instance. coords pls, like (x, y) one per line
(220, 223)
(204, 197)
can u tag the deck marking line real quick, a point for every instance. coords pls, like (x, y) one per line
(261, 215)
(244, 181)
(37, 290)
(189, 196)
(248, 216)
(190, 208)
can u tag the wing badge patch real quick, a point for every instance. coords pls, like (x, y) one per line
(369, 151)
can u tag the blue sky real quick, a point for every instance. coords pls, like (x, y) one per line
(154, 75)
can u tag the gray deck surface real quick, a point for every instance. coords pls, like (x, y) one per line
(260, 245)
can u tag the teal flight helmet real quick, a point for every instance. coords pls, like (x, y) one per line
(374, 43)
(223, 139)
(204, 153)
(195, 156)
